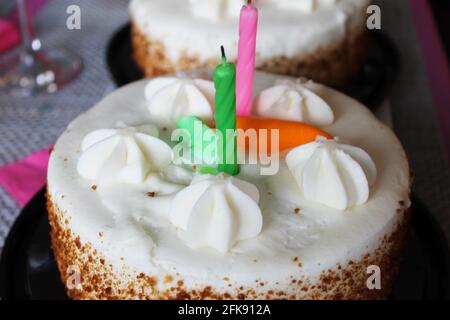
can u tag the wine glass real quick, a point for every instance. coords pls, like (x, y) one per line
(36, 70)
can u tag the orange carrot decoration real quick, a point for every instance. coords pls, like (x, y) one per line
(291, 133)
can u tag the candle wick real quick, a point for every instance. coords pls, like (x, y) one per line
(224, 57)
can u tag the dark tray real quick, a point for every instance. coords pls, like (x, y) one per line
(28, 269)
(372, 87)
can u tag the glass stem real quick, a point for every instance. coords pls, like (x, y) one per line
(25, 28)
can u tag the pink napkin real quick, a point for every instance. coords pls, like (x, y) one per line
(22, 179)
(9, 34)
(9, 30)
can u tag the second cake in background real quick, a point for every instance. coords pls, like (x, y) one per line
(325, 40)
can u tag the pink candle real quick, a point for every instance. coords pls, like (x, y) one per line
(248, 26)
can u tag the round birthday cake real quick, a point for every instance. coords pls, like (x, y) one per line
(323, 40)
(323, 215)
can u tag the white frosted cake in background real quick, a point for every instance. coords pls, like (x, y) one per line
(135, 225)
(324, 40)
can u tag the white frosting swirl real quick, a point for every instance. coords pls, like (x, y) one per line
(123, 155)
(307, 6)
(294, 101)
(170, 99)
(333, 174)
(217, 212)
(216, 9)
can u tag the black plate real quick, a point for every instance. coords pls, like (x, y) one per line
(28, 269)
(372, 86)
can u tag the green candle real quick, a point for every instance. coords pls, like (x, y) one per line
(225, 114)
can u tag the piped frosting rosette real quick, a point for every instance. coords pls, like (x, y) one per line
(217, 10)
(169, 99)
(293, 101)
(306, 6)
(331, 173)
(123, 155)
(217, 212)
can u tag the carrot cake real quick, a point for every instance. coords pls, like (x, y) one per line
(324, 40)
(130, 220)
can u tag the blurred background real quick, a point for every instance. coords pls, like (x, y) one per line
(30, 125)
(441, 11)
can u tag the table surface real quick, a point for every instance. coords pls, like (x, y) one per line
(29, 124)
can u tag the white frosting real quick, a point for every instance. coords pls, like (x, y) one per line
(331, 173)
(216, 9)
(225, 9)
(138, 235)
(304, 5)
(286, 28)
(217, 212)
(294, 101)
(123, 155)
(170, 99)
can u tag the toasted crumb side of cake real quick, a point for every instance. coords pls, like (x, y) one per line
(335, 65)
(99, 280)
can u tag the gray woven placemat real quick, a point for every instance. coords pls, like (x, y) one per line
(30, 124)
